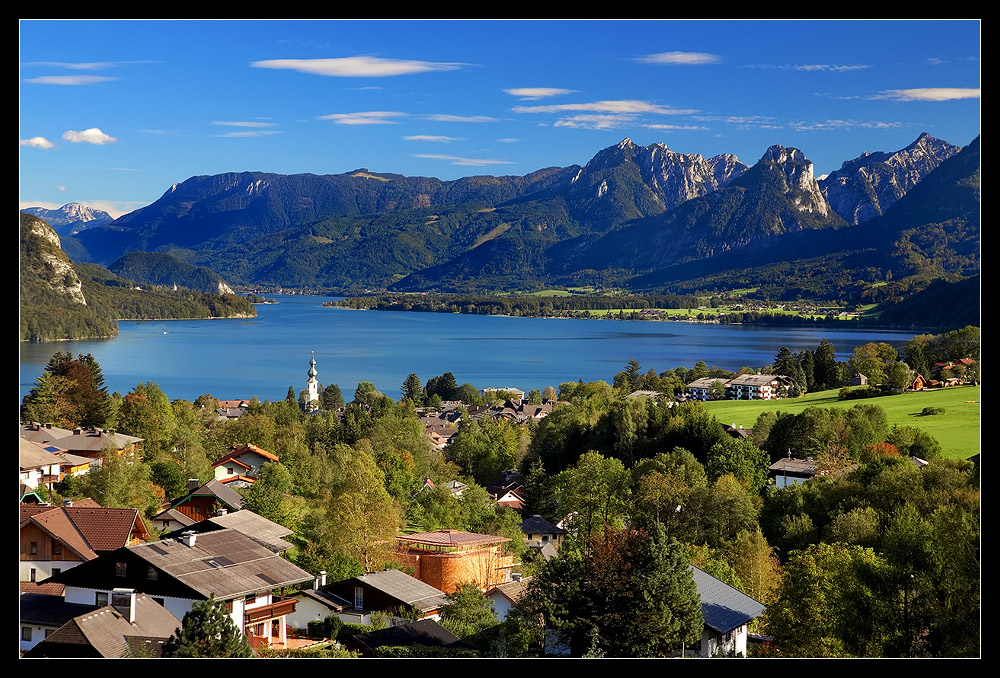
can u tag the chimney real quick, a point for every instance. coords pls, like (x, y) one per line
(77, 431)
(322, 577)
(123, 600)
(193, 484)
(222, 511)
(67, 503)
(515, 576)
(189, 538)
(48, 425)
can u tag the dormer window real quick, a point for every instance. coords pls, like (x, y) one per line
(120, 569)
(56, 549)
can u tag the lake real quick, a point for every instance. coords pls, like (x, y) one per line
(263, 356)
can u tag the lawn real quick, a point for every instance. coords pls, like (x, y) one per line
(958, 429)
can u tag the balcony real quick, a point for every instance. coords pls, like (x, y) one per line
(272, 611)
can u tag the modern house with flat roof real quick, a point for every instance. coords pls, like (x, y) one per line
(446, 559)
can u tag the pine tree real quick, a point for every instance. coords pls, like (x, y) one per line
(825, 369)
(412, 390)
(207, 631)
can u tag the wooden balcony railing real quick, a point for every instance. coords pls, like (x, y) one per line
(272, 611)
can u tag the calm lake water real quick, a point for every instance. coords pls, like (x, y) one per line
(264, 355)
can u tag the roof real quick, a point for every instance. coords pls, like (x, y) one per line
(257, 527)
(88, 439)
(405, 588)
(755, 379)
(327, 598)
(106, 630)
(706, 382)
(213, 488)
(803, 466)
(723, 607)
(538, 525)
(85, 527)
(239, 450)
(33, 455)
(47, 588)
(49, 610)
(175, 515)
(424, 632)
(450, 539)
(512, 590)
(57, 524)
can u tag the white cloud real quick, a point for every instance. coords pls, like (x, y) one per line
(680, 127)
(617, 106)
(509, 140)
(930, 94)
(446, 117)
(61, 188)
(831, 67)
(249, 133)
(70, 79)
(533, 93)
(115, 208)
(238, 123)
(87, 65)
(163, 132)
(432, 137)
(357, 67)
(680, 58)
(365, 118)
(800, 126)
(595, 121)
(44, 204)
(743, 121)
(37, 142)
(88, 136)
(469, 162)
(934, 61)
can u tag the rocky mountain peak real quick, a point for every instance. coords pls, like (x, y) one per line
(799, 179)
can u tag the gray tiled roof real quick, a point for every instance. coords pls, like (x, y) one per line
(538, 525)
(723, 607)
(257, 528)
(409, 590)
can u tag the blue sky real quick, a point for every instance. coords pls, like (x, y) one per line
(114, 112)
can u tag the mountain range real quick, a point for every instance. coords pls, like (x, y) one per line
(640, 217)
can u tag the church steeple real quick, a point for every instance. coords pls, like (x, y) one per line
(312, 386)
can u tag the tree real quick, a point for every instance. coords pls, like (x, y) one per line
(412, 389)
(266, 496)
(444, 386)
(550, 393)
(366, 394)
(73, 394)
(332, 398)
(468, 612)
(825, 369)
(627, 593)
(207, 631)
(121, 483)
(871, 360)
(740, 457)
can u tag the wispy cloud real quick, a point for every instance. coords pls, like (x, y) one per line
(615, 106)
(432, 137)
(37, 142)
(819, 125)
(69, 79)
(508, 140)
(929, 94)
(249, 134)
(534, 93)
(365, 118)
(680, 58)
(678, 127)
(61, 189)
(115, 208)
(468, 162)
(163, 132)
(832, 68)
(124, 169)
(934, 61)
(86, 65)
(743, 121)
(242, 123)
(447, 117)
(595, 121)
(88, 136)
(357, 66)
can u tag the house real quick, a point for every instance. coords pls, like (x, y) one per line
(789, 471)
(47, 465)
(538, 532)
(425, 632)
(232, 409)
(172, 520)
(859, 380)
(42, 614)
(737, 432)
(57, 538)
(506, 489)
(241, 464)
(353, 600)
(727, 613)
(176, 573)
(446, 559)
(204, 501)
(504, 597)
(130, 624)
(83, 442)
(918, 383)
(757, 387)
(699, 389)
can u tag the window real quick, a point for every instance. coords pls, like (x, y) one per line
(121, 569)
(151, 573)
(31, 575)
(230, 469)
(57, 548)
(359, 597)
(101, 598)
(49, 632)
(56, 570)
(159, 601)
(26, 633)
(34, 548)
(197, 510)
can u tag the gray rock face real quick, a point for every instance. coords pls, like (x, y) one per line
(800, 183)
(673, 177)
(867, 186)
(71, 218)
(55, 268)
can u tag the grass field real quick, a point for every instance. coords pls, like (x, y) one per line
(958, 429)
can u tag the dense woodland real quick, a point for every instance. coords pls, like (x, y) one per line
(877, 557)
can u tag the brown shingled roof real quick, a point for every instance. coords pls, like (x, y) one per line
(87, 528)
(450, 539)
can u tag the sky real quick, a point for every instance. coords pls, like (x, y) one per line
(112, 113)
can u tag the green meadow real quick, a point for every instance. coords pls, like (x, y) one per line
(958, 429)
